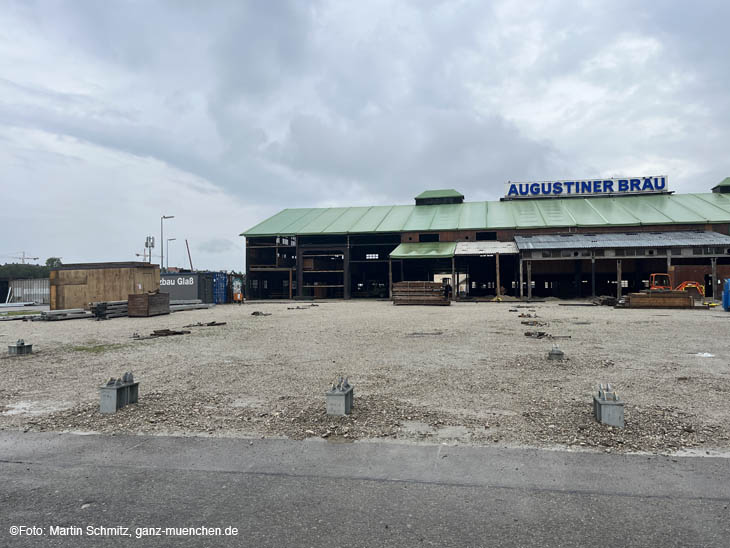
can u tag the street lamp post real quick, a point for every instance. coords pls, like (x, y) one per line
(162, 241)
(167, 267)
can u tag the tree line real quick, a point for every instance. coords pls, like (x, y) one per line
(16, 271)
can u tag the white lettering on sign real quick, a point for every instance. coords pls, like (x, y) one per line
(592, 187)
(177, 281)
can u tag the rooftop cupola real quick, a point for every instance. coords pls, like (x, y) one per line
(723, 187)
(438, 197)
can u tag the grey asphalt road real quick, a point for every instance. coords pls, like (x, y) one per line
(319, 494)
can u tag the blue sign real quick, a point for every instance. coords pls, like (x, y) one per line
(592, 187)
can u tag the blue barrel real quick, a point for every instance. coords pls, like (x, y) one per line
(726, 296)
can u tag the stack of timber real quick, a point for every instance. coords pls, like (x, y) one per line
(428, 293)
(106, 310)
(660, 299)
(145, 305)
(56, 315)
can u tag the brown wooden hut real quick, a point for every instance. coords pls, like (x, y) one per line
(77, 285)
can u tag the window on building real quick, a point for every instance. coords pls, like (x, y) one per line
(266, 284)
(428, 237)
(254, 284)
(486, 236)
(372, 256)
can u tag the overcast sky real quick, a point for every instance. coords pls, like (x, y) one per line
(222, 113)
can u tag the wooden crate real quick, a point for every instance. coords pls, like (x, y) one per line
(148, 304)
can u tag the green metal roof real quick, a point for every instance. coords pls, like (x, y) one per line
(441, 193)
(656, 209)
(724, 182)
(424, 250)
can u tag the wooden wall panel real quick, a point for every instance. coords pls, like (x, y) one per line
(77, 288)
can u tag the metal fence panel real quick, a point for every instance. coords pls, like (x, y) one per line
(25, 291)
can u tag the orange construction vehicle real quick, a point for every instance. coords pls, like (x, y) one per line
(664, 282)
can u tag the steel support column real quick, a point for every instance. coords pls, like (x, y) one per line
(521, 280)
(529, 280)
(593, 277)
(618, 279)
(300, 276)
(453, 277)
(346, 281)
(496, 259)
(714, 278)
(390, 278)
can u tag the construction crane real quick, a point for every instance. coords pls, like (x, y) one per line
(23, 257)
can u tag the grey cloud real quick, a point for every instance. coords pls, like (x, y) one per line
(217, 245)
(291, 103)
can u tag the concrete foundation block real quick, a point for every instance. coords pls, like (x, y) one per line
(339, 402)
(117, 393)
(609, 412)
(20, 348)
(556, 354)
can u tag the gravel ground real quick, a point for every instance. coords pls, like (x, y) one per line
(459, 374)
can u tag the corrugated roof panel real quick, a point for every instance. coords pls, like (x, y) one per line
(397, 218)
(615, 214)
(319, 224)
(446, 217)
(716, 200)
(621, 240)
(424, 250)
(278, 223)
(420, 218)
(675, 209)
(708, 210)
(344, 222)
(644, 212)
(583, 213)
(499, 215)
(554, 213)
(486, 248)
(473, 215)
(526, 214)
(298, 225)
(370, 221)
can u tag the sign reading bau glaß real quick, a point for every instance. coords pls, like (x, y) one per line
(591, 187)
